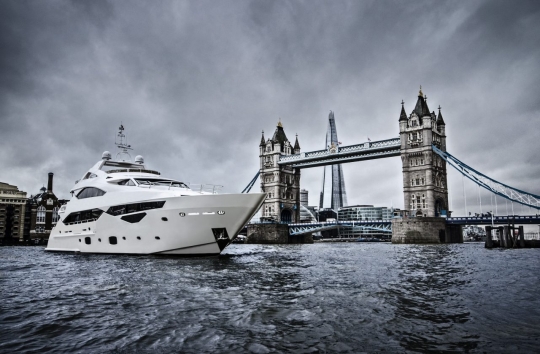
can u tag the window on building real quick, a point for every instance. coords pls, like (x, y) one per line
(417, 181)
(421, 161)
(40, 216)
(55, 215)
(418, 202)
(423, 181)
(423, 201)
(413, 204)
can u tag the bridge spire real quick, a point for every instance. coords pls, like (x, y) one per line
(403, 115)
(296, 145)
(263, 142)
(421, 109)
(440, 120)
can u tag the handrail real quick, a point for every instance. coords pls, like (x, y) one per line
(140, 170)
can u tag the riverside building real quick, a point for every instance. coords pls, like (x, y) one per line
(364, 213)
(12, 212)
(42, 213)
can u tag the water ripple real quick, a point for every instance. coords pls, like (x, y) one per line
(321, 298)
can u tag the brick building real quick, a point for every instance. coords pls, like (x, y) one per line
(41, 212)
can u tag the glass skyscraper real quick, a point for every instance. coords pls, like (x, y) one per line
(333, 194)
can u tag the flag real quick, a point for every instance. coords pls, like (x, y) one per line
(339, 143)
(368, 139)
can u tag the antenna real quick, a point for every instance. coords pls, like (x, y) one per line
(121, 142)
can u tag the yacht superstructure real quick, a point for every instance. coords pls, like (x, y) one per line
(123, 207)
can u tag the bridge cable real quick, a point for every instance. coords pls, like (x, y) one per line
(251, 183)
(509, 193)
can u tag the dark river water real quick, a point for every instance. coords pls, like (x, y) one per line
(319, 298)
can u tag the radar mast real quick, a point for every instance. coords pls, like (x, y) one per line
(121, 142)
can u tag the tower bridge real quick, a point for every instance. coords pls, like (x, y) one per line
(422, 147)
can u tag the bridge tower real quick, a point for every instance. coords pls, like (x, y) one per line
(280, 183)
(425, 185)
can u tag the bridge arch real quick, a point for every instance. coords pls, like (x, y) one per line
(286, 216)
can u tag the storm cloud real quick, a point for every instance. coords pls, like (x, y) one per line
(195, 83)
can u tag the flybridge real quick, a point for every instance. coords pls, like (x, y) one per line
(336, 155)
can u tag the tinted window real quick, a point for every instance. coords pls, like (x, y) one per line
(113, 240)
(90, 192)
(83, 216)
(87, 240)
(133, 208)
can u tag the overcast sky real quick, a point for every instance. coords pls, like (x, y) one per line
(195, 83)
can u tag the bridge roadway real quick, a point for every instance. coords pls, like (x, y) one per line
(386, 225)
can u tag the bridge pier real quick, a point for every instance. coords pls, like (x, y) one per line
(273, 233)
(425, 230)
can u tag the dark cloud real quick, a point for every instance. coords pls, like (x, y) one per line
(196, 82)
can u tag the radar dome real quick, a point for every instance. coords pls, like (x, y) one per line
(106, 156)
(139, 159)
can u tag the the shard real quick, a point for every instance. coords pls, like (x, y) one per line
(333, 193)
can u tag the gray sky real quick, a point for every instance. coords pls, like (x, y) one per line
(194, 83)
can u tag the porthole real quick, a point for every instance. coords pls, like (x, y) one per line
(138, 237)
(123, 237)
(79, 240)
(164, 219)
(113, 240)
(99, 239)
(157, 238)
(182, 214)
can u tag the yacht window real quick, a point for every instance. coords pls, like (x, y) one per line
(87, 240)
(83, 216)
(126, 182)
(89, 175)
(90, 192)
(135, 207)
(113, 240)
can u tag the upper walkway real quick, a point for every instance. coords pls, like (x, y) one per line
(337, 155)
(497, 220)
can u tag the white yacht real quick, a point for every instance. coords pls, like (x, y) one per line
(122, 207)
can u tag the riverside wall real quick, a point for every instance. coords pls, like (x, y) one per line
(273, 234)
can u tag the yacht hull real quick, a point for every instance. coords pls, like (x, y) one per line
(186, 226)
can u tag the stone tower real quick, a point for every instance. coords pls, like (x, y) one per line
(425, 185)
(280, 183)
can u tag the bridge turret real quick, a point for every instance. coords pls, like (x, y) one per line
(296, 146)
(280, 183)
(441, 126)
(424, 173)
